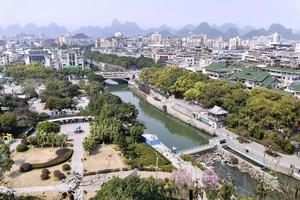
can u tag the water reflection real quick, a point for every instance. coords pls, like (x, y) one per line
(170, 131)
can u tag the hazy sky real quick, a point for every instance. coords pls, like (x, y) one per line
(148, 13)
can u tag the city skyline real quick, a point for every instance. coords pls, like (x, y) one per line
(77, 13)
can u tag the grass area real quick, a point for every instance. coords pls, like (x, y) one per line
(144, 155)
(192, 160)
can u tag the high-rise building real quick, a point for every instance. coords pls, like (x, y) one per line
(276, 38)
(297, 48)
(155, 38)
(234, 43)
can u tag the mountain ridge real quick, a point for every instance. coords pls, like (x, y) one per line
(226, 30)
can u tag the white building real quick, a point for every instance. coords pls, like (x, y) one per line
(195, 40)
(8, 57)
(43, 56)
(69, 58)
(276, 38)
(155, 38)
(103, 43)
(297, 48)
(118, 34)
(234, 43)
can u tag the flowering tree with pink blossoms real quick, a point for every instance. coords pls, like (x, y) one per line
(210, 179)
(181, 177)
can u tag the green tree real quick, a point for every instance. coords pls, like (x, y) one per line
(136, 131)
(8, 121)
(5, 162)
(132, 187)
(226, 191)
(48, 127)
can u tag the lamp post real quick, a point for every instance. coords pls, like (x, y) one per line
(156, 165)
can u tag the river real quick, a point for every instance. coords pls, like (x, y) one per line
(173, 132)
(170, 131)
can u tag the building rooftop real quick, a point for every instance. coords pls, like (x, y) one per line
(216, 110)
(295, 86)
(252, 75)
(219, 67)
(281, 69)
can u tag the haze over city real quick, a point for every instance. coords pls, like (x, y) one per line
(76, 13)
(150, 99)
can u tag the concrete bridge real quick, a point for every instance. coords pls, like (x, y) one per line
(194, 150)
(126, 76)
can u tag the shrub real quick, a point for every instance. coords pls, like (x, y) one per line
(140, 167)
(289, 148)
(66, 167)
(22, 148)
(24, 141)
(25, 167)
(60, 176)
(271, 153)
(234, 160)
(45, 171)
(134, 166)
(45, 176)
(56, 172)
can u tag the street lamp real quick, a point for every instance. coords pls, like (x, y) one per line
(156, 165)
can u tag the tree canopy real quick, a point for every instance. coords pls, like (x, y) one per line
(133, 187)
(258, 113)
(123, 61)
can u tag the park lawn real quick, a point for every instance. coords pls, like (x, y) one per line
(145, 156)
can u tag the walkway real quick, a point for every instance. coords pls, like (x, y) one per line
(77, 157)
(195, 172)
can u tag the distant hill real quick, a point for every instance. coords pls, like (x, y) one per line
(80, 36)
(130, 29)
(205, 28)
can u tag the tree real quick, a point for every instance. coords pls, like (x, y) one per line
(226, 191)
(132, 187)
(8, 121)
(181, 177)
(48, 127)
(210, 179)
(94, 77)
(136, 131)
(5, 162)
(94, 88)
(89, 144)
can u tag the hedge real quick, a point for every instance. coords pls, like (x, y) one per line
(25, 167)
(62, 156)
(104, 171)
(56, 161)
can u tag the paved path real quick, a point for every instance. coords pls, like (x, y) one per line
(194, 172)
(13, 146)
(77, 157)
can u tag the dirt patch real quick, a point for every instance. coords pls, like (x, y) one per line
(14, 178)
(104, 157)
